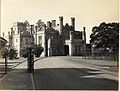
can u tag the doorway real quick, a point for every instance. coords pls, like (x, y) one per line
(66, 50)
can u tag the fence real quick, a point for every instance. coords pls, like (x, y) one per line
(88, 54)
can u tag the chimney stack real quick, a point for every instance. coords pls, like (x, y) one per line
(73, 22)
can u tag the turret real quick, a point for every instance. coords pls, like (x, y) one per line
(61, 24)
(31, 29)
(53, 23)
(84, 34)
(44, 27)
(8, 33)
(73, 22)
(48, 24)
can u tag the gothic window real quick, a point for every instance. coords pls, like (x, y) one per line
(40, 40)
(16, 40)
(18, 30)
(75, 49)
(13, 32)
(78, 49)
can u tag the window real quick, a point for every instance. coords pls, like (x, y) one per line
(18, 30)
(16, 40)
(13, 32)
(40, 40)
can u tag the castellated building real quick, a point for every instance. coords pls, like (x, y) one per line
(56, 39)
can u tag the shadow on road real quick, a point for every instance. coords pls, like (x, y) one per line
(57, 79)
(71, 79)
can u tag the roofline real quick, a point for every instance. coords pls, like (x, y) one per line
(2, 39)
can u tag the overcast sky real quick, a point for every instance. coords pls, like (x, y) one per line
(87, 13)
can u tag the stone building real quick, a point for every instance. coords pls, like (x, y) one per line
(56, 39)
(20, 36)
(59, 39)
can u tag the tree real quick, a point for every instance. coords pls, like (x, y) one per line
(36, 49)
(105, 36)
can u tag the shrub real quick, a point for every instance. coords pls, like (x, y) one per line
(12, 53)
(36, 49)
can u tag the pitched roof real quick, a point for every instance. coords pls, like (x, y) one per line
(3, 40)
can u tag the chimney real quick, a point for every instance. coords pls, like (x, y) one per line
(61, 24)
(73, 22)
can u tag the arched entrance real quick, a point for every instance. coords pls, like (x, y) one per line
(66, 50)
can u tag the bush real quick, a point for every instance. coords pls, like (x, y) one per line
(24, 52)
(36, 49)
(12, 53)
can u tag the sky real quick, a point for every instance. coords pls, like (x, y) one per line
(87, 13)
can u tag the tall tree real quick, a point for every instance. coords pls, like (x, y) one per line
(105, 36)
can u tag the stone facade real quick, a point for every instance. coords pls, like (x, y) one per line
(56, 39)
(59, 39)
(20, 37)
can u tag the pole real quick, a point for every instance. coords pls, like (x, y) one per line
(5, 64)
(36, 34)
(6, 61)
(30, 60)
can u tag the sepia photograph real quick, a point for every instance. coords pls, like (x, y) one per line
(59, 45)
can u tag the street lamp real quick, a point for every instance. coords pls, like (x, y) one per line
(36, 34)
(5, 56)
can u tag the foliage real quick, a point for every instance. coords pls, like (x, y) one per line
(36, 49)
(12, 53)
(24, 52)
(4, 52)
(105, 36)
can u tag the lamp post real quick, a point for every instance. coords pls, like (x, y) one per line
(5, 56)
(36, 34)
(30, 60)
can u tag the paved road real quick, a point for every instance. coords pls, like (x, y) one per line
(63, 73)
